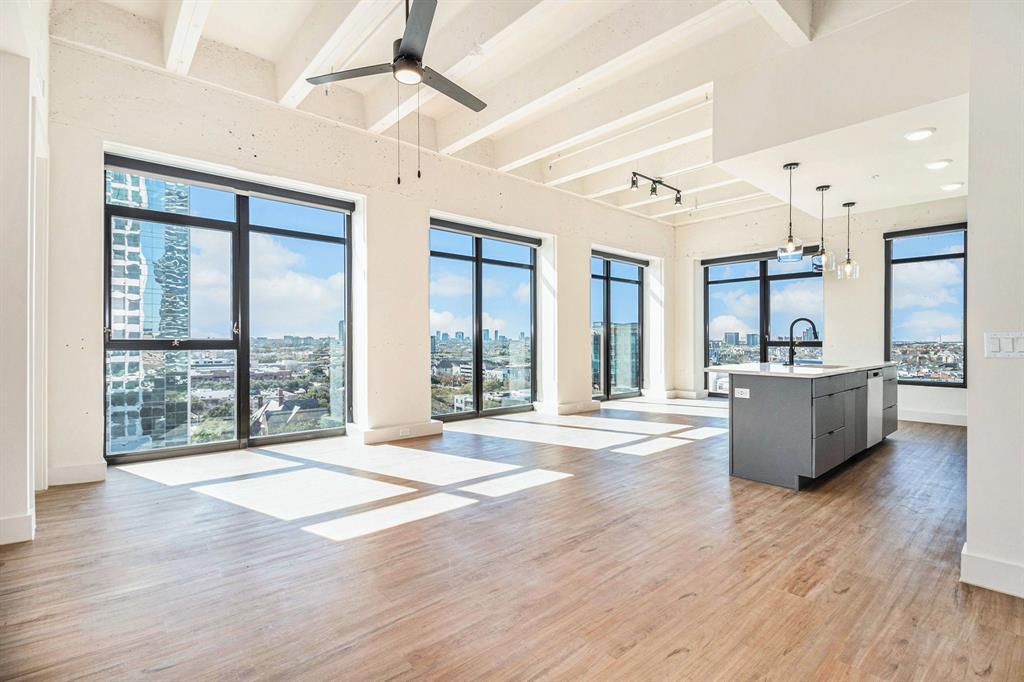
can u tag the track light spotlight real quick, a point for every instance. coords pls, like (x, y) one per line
(654, 189)
(679, 198)
(634, 183)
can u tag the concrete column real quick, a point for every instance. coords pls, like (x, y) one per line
(993, 555)
(563, 324)
(17, 500)
(391, 324)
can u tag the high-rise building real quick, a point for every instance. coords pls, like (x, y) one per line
(732, 338)
(751, 339)
(460, 336)
(487, 335)
(445, 337)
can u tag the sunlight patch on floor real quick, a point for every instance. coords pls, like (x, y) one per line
(702, 432)
(706, 409)
(375, 520)
(587, 421)
(652, 446)
(505, 485)
(414, 465)
(541, 433)
(181, 470)
(296, 494)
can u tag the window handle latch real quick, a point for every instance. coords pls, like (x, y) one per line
(235, 329)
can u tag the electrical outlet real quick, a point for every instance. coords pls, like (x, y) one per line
(741, 392)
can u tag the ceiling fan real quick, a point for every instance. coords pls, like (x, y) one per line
(407, 65)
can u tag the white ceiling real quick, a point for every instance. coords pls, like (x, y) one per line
(580, 92)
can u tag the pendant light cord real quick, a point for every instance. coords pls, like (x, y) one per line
(848, 233)
(791, 202)
(418, 148)
(821, 248)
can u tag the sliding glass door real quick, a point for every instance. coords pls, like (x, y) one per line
(616, 324)
(481, 321)
(225, 314)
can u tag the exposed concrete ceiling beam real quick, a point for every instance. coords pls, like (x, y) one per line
(691, 215)
(729, 196)
(673, 131)
(663, 164)
(791, 19)
(183, 26)
(331, 34)
(479, 33)
(608, 46)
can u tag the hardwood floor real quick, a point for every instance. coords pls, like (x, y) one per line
(635, 568)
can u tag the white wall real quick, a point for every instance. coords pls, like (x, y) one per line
(993, 555)
(854, 309)
(23, 150)
(98, 101)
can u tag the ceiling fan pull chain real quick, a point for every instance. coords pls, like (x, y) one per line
(398, 101)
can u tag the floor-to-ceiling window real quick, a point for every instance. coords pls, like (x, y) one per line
(225, 313)
(925, 304)
(616, 324)
(482, 294)
(749, 303)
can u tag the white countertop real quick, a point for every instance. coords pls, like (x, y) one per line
(799, 371)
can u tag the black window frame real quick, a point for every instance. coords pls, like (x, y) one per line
(240, 229)
(606, 279)
(764, 280)
(889, 237)
(477, 259)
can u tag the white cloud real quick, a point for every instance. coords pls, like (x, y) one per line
(447, 321)
(738, 302)
(210, 283)
(493, 287)
(929, 325)
(450, 284)
(799, 298)
(927, 284)
(721, 324)
(522, 293)
(286, 301)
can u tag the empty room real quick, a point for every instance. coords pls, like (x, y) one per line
(512, 340)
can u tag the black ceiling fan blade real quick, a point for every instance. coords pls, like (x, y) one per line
(446, 87)
(351, 73)
(417, 28)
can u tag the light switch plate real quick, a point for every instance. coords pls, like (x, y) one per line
(1004, 344)
(741, 392)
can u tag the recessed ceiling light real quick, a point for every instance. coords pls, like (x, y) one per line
(922, 134)
(938, 164)
(952, 187)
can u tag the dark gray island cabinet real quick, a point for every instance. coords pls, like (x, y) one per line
(789, 425)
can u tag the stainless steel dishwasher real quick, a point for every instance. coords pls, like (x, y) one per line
(875, 406)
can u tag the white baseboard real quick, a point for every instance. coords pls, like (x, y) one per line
(691, 395)
(382, 434)
(20, 528)
(933, 417)
(567, 408)
(991, 573)
(77, 473)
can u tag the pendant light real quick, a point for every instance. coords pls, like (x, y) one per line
(824, 260)
(792, 250)
(848, 269)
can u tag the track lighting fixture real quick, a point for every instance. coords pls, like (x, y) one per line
(791, 250)
(634, 184)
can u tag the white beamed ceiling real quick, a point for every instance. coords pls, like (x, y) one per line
(580, 93)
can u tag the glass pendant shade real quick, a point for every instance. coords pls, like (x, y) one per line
(850, 269)
(791, 251)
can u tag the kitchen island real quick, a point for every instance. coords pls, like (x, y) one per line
(791, 424)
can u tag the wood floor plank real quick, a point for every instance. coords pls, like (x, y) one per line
(633, 568)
